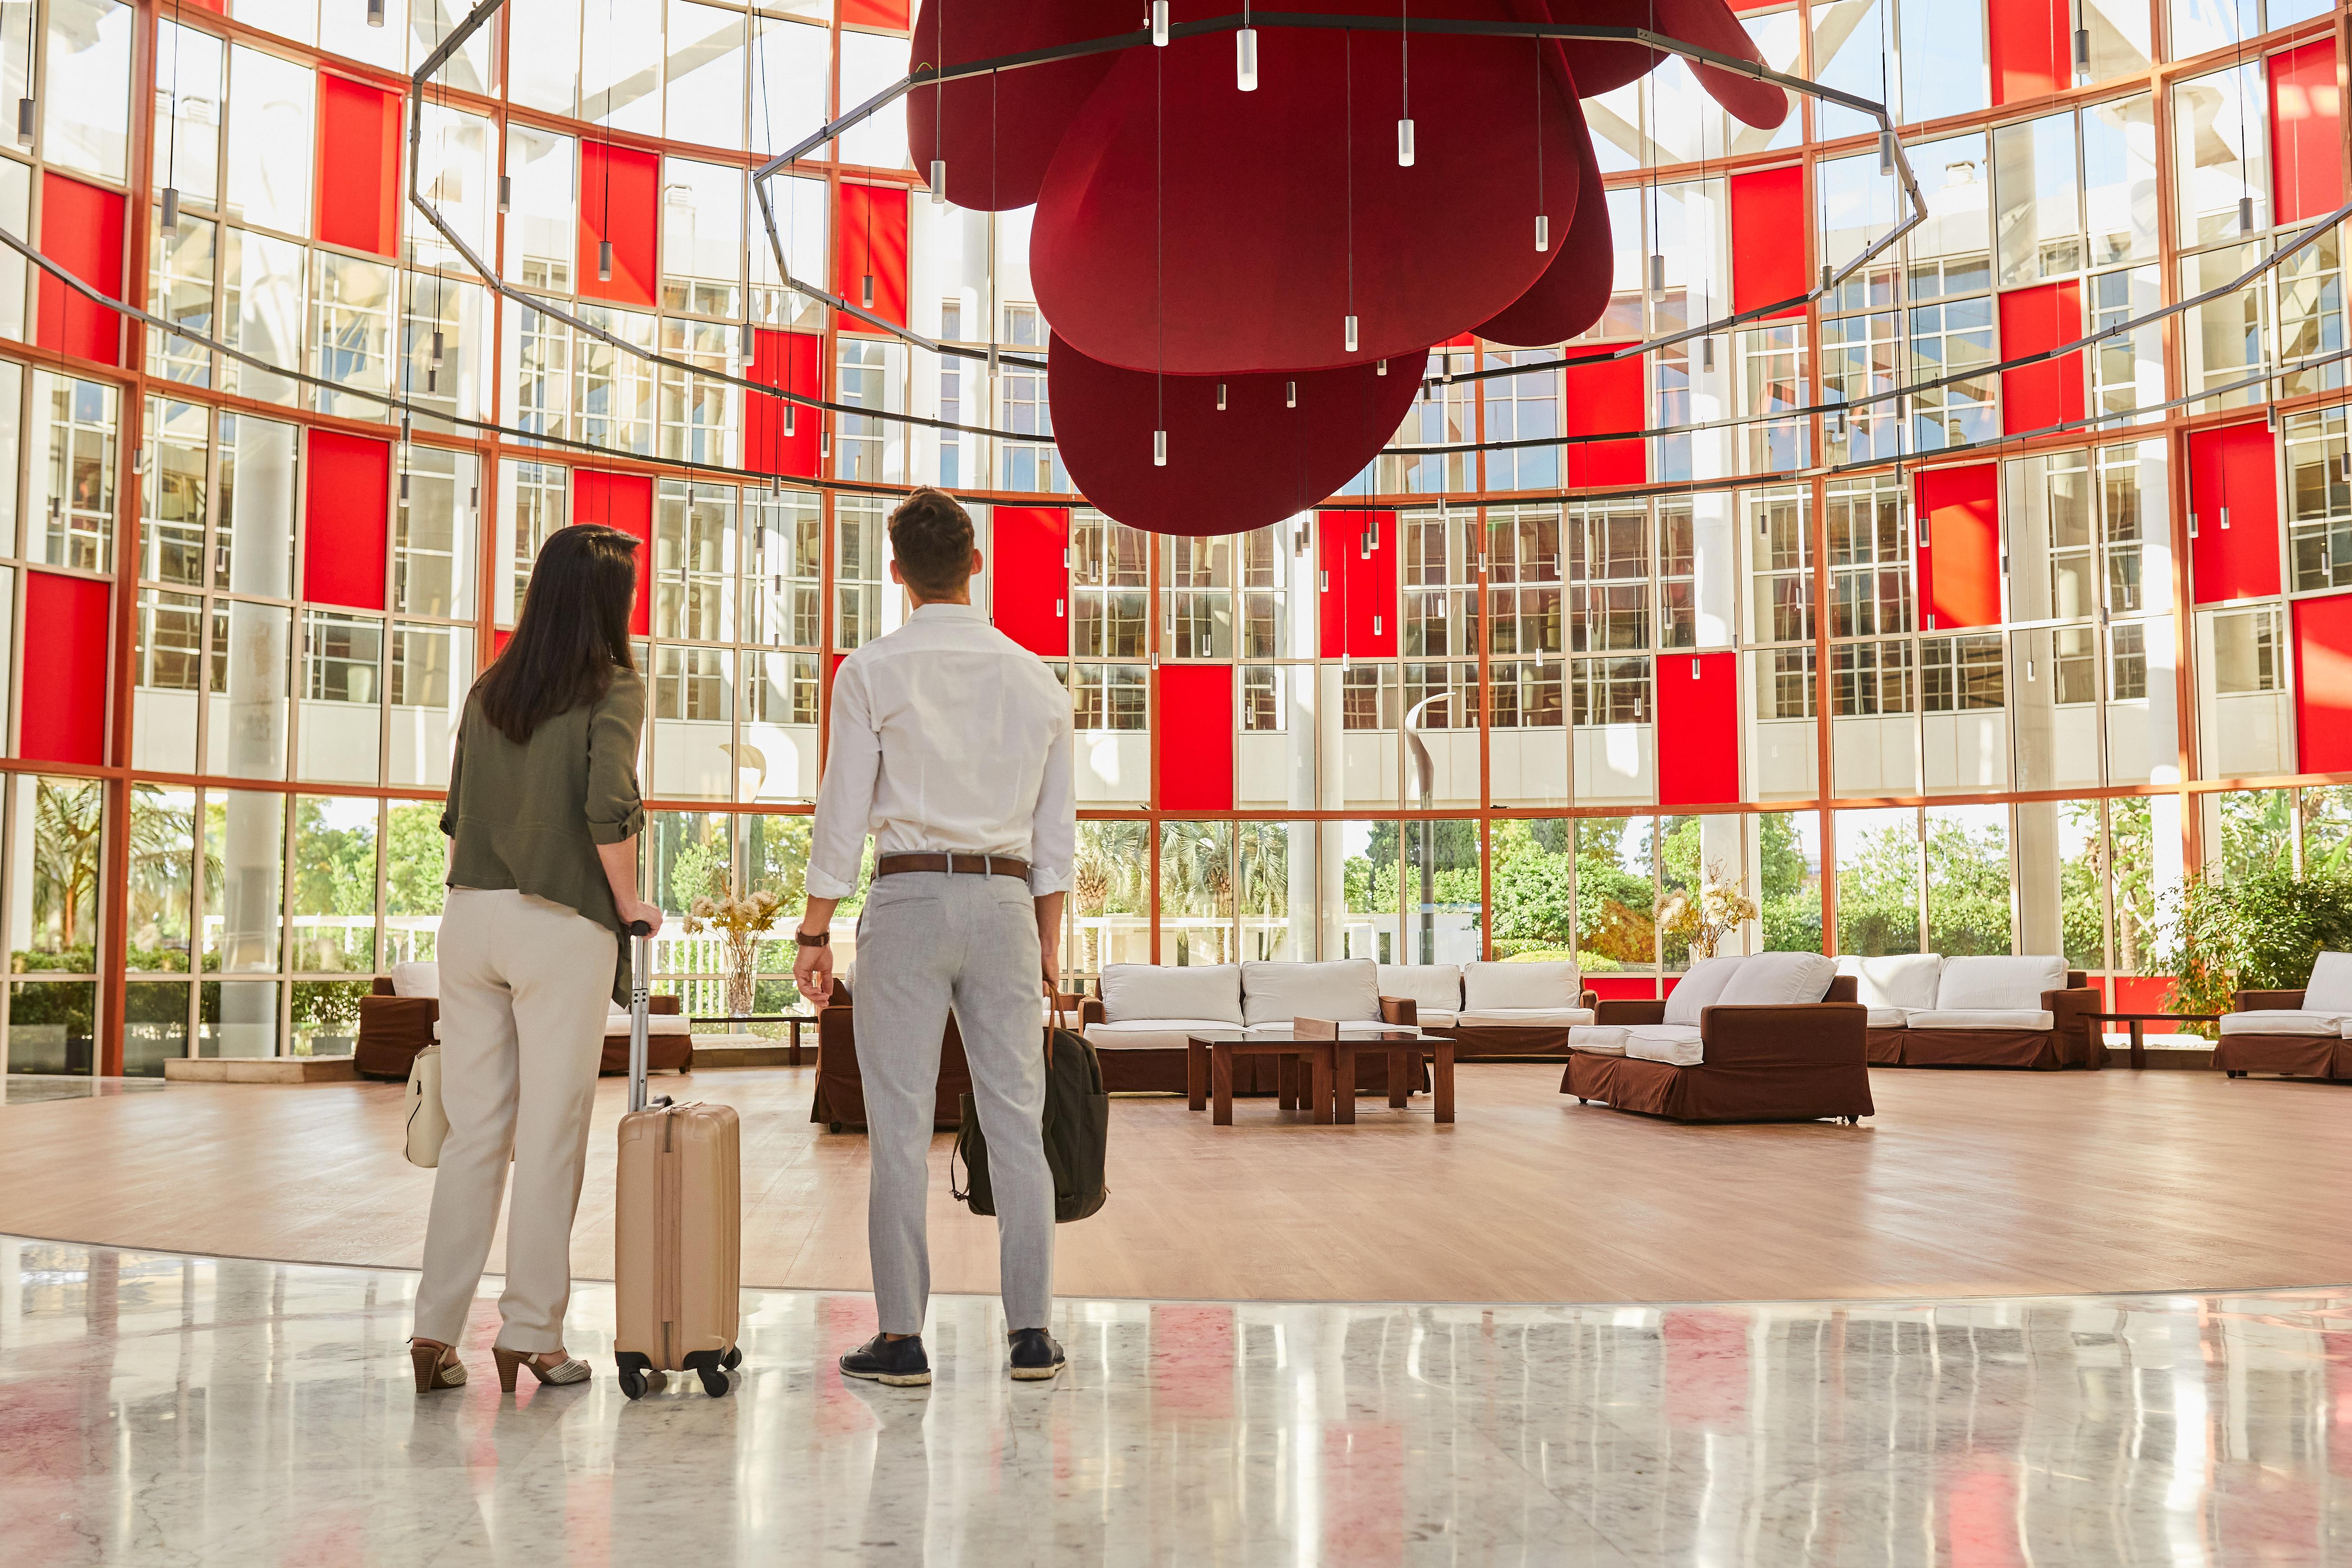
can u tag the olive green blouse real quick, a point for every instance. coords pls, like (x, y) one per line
(530, 817)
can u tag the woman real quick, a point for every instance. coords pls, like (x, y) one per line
(544, 816)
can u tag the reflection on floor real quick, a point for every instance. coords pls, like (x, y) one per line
(27, 1088)
(163, 1409)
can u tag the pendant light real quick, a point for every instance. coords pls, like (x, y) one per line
(1543, 232)
(603, 261)
(170, 222)
(1404, 75)
(375, 13)
(24, 122)
(1543, 219)
(505, 193)
(1159, 24)
(1290, 395)
(1221, 397)
(1351, 334)
(1245, 59)
(1160, 449)
(939, 181)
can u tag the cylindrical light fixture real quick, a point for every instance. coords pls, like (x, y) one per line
(939, 181)
(824, 444)
(24, 122)
(1382, 368)
(867, 300)
(604, 262)
(1706, 354)
(1828, 277)
(170, 219)
(1159, 24)
(1404, 143)
(1245, 59)
(1657, 272)
(1160, 449)
(1351, 334)
(1221, 397)
(2245, 215)
(436, 361)
(792, 424)
(1543, 231)
(1290, 395)
(375, 13)
(505, 192)
(1886, 152)
(745, 338)
(2083, 51)
(403, 486)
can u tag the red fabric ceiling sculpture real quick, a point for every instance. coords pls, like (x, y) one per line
(1196, 246)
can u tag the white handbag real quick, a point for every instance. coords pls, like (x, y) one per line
(428, 1124)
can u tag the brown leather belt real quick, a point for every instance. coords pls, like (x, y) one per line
(954, 865)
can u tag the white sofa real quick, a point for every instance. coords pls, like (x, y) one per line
(1988, 1010)
(1674, 1037)
(2295, 1033)
(1491, 1010)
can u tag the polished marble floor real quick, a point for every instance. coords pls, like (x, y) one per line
(163, 1409)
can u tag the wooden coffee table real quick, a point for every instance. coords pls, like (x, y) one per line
(1331, 1093)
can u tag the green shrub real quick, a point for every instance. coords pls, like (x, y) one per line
(2259, 932)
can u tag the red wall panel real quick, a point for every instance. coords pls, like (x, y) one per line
(67, 625)
(1769, 225)
(2233, 470)
(620, 191)
(1029, 577)
(891, 14)
(346, 481)
(359, 166)
(2036, 396)
(1698, 728)
(1356, 595)
(872, 237)
(1602, 397)
(1959, 546)
(2032, 55)
(624, 501)
(81, 230)
(2323, 684)
(1195, 722)
(2307, 128)
(1624, 987)
(794, 362)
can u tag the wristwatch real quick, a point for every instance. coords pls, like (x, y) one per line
(822, 938)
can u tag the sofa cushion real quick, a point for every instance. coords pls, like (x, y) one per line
(1778, 979)
(416, 980)
(617, 1023)
(1519, 1018)
(1702, 986)
(1894, 980)
(1979, 1018)
(1884, 1018)
(1547, 984)
(1349, 1028)
(1998, 982)
(1131, 991)
(1155, 1034)
(1598, 1039)
(1676, 1044)
(1431, 987)
(2281, 1021)
(2330, 990)
(1341, 990)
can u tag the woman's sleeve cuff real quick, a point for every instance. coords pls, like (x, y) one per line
(628, 827)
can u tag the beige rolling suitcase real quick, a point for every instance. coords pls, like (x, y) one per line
(678, 1256)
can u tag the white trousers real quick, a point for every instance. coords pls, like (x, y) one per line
(525, 985)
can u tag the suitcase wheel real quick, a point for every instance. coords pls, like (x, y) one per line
(633, 1369)
(732, 1359)
(715, 1382)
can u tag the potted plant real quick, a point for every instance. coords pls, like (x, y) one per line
(744, 919)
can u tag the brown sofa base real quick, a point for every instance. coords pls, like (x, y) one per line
(1793, 1093)
(1159, 1069)
(393, 1029)
(2287, 1056)
(2032, 1050)
(1503, 1042)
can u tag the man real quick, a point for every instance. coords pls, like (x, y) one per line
(953, 743)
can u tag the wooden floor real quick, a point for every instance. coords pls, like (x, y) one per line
(1964, 1184)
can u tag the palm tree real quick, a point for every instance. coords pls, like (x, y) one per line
(1112, 864)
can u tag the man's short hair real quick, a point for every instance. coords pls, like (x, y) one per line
(930, 537)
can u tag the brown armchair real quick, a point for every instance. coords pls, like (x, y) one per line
(1798, 1062)
(840, 1098)
(393, 1029)
(2300, 1054)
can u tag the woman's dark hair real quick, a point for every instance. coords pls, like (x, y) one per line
(573, 634)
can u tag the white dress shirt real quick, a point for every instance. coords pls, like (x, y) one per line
(947, 736)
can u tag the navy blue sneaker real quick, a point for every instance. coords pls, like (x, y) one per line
(1035, 1355)
(901, 1363)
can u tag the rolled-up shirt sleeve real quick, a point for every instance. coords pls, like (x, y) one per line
(1053, 834)
(617, 807)
(845, 801)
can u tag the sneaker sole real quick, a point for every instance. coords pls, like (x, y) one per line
(1037, 1374)
(895, 1379)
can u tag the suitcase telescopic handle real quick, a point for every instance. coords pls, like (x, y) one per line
(641, 964)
